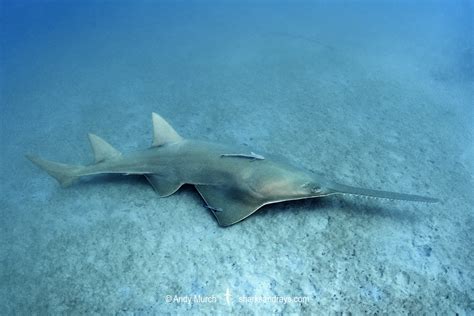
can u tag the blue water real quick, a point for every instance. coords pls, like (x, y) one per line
(374, 94)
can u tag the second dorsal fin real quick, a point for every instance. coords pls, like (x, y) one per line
(102, 150)
(163, 132)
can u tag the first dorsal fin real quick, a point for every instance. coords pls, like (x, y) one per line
(102, 150)
(163, 132)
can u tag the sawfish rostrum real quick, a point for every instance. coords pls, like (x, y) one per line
(234, 182)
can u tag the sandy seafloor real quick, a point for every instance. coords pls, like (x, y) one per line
(378, 96)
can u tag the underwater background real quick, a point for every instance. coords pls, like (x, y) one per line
(377, 94)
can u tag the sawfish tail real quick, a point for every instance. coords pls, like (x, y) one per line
(336, 188)
(65, 174)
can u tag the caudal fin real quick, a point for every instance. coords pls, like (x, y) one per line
(336, 188)
(65, 174)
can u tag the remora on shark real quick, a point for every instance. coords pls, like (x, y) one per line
(233, 181)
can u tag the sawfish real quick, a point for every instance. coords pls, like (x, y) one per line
(233, 181)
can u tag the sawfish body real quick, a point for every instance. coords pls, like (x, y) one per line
(234, 181)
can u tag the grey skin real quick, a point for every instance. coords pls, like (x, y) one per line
(234, 182)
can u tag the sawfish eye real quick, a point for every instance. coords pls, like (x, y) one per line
(312, 187)
(315, 189)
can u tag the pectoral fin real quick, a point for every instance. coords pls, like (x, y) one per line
(227, 205)
(162, 185)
